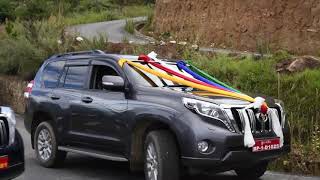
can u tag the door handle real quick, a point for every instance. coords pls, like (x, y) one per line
(54, 97)
(87, 99)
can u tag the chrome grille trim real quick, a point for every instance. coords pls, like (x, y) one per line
(265, 127)
(253, 122)
(3, 133)
(241, 119)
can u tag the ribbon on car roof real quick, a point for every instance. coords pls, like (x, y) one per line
(147, 59)
(185, 82)
(209, 86)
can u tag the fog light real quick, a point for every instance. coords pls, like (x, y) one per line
(203, 146)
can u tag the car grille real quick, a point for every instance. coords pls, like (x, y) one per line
(4, 133)
(257, 124)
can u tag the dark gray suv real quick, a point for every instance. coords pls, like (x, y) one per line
(86, 103)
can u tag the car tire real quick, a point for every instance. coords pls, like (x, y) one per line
(161, 157)
(252, 173)
(46, 147)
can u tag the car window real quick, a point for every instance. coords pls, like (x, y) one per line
(98, 71)
(76, 77)
(146, 79)
(52, 73)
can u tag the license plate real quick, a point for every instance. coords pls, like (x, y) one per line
(4, 162)
(266, 144)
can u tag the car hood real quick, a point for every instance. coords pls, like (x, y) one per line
(170, 92)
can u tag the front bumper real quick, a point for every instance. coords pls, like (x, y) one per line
(15, 152)
(228, 151)
(233, 160)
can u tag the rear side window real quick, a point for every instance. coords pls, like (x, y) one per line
(76, 77)
(52, 73)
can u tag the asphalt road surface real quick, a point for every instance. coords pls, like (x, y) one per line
(78, 167)
(114, 30)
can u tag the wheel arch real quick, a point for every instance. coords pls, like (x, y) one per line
(139, 132)
(38, 118)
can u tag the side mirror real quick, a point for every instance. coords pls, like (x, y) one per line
(112, 82)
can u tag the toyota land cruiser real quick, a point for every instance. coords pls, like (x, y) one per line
(95, 104)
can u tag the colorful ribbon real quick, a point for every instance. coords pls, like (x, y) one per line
(183, 65)
(170, 71)
(205, 75)
(187, 83)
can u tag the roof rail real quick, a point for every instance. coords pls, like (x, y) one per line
(96, 51)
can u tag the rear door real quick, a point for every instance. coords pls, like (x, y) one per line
(42, 98)
(69, 95)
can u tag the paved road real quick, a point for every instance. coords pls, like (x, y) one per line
(114, 30)
(79, 167)
(116, 33)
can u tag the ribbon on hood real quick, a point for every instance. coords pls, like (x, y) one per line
(209, 77)
(161, 66)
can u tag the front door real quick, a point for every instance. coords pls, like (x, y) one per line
(104, 119)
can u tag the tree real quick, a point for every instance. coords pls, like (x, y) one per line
(34, 9)
(6, 10)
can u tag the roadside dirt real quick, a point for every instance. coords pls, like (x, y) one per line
(169, 51)
(243, 25)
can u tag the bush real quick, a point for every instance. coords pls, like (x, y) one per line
(129, 27)
(28, 43)
(18, 56)
(6, 10)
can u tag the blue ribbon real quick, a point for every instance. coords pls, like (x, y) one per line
(183, 65)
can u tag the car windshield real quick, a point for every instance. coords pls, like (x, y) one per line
(143, 78)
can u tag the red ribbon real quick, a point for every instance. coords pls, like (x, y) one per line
(147, 59)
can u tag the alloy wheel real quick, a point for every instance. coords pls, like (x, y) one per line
(152, 162)
(44, 144)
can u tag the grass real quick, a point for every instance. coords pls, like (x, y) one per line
(91, 17)
(129, 27)
(108, 15)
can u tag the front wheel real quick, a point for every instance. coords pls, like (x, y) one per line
(46, 147)
(161, 156)
(254, 172)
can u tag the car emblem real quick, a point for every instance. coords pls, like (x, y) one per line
(262, 117)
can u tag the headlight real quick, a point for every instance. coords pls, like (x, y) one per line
(208, 110)
(9, 114)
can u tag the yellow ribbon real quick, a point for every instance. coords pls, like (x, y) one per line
(187, 83)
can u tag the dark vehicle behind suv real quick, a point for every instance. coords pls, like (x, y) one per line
(11, 146)
(87, 103)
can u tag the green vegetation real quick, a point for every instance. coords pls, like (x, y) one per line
(108, 15)
(75, 12)
(34, 29)
(129, 27)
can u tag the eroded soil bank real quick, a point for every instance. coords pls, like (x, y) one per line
(243, 24)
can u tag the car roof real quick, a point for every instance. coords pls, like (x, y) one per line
(98, 54)
(91, 54)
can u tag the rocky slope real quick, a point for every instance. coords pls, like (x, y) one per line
(293, 25)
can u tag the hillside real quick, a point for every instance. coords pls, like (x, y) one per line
(244, 25)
